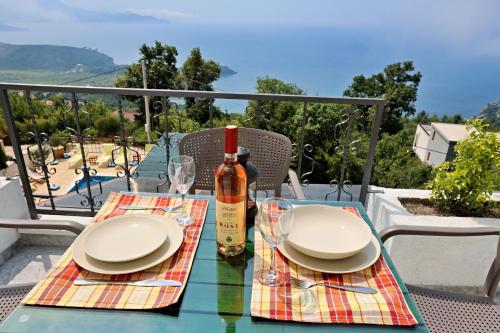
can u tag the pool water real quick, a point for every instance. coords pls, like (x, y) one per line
(82, 183)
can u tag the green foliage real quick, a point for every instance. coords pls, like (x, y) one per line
(280, 116)
(398, 85)
(161, 66)
(3, 159)
(107, 126)
(424, 118)
(198, 74)
(51, 57)
(465, 185)
(396, 165)
(58, 138)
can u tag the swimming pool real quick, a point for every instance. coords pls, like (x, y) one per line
(82, 183)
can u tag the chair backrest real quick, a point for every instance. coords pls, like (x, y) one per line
(270, 153)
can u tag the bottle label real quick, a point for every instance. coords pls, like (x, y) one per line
(230, 223)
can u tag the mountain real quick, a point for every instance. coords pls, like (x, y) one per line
(226, 71)
(491, 114)
(52, 58)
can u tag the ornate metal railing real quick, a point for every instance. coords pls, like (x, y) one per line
(361, 116)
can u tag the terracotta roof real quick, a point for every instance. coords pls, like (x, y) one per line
(451, 132)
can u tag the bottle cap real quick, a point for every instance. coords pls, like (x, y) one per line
(231, 140)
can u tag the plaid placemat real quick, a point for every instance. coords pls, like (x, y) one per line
(57, 289)
(387, 307)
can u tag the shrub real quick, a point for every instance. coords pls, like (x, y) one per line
(107, 126)
(465, 185)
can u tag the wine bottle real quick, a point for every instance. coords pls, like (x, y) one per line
(230, 198)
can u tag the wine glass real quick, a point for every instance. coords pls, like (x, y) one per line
(181, 172)
(276, 218)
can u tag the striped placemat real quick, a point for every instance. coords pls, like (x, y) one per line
(326, 305)
(57, 289)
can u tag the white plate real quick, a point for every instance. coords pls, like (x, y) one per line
(328, 232)
(357, 262)
(166, 250)
(125, 238)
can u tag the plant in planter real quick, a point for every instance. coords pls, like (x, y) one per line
(57, 142)
(464, 186)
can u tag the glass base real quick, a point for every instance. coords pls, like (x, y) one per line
(269, 279)
(184, 220)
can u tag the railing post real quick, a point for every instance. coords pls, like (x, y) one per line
(371, 152)
(124, 140)
(345, 152)
(18, 153)
(210, 114)
(86, 168)
(302, 136)
(39, 143)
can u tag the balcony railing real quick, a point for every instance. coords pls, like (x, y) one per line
(357, 112)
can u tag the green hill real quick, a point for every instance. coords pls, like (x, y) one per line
(491, 114)
(52, 58)
(51, 64)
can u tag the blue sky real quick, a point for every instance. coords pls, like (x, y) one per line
(454, 43)
(469, 27)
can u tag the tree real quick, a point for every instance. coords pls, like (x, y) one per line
(161, 66)
(464, 186)
(281, 117)
(198, 74)
(396, 165)
(398, 85)
(107, 126)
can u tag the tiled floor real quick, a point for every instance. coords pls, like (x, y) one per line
(30, 263)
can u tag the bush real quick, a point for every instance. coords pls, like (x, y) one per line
(465, 185)
(107, 126)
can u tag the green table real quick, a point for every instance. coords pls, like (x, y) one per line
(216, 299)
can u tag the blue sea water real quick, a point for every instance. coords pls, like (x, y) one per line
(322, 61)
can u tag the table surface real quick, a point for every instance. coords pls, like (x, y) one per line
(216, 299)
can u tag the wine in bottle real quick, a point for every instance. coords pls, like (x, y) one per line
(230, 198)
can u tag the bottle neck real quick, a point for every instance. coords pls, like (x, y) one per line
(230, 158)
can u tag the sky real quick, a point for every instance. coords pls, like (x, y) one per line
(469, 27)
(455, 43)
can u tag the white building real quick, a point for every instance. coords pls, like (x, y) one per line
(435, 143)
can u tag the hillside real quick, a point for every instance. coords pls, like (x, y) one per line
(52, 58)
(51, 64)
(491, 114)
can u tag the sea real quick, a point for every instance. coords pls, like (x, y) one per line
(322, 61)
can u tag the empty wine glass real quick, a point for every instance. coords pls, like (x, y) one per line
(275, 222)
(181, 172)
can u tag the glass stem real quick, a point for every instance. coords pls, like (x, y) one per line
(183, 198)
(272, 268)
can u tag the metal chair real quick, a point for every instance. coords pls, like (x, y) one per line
(270, 152)
(453, 312)
(12, 295)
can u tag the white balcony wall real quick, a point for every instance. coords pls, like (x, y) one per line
(12, 205)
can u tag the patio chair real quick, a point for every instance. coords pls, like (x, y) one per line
(105, 158)
(270, 152)
(453, 312)
(12, 295)
(76, 160)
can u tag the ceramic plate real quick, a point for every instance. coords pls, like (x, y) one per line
(328, 232)
(365, 258)
(125, 238)
(166, 250)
